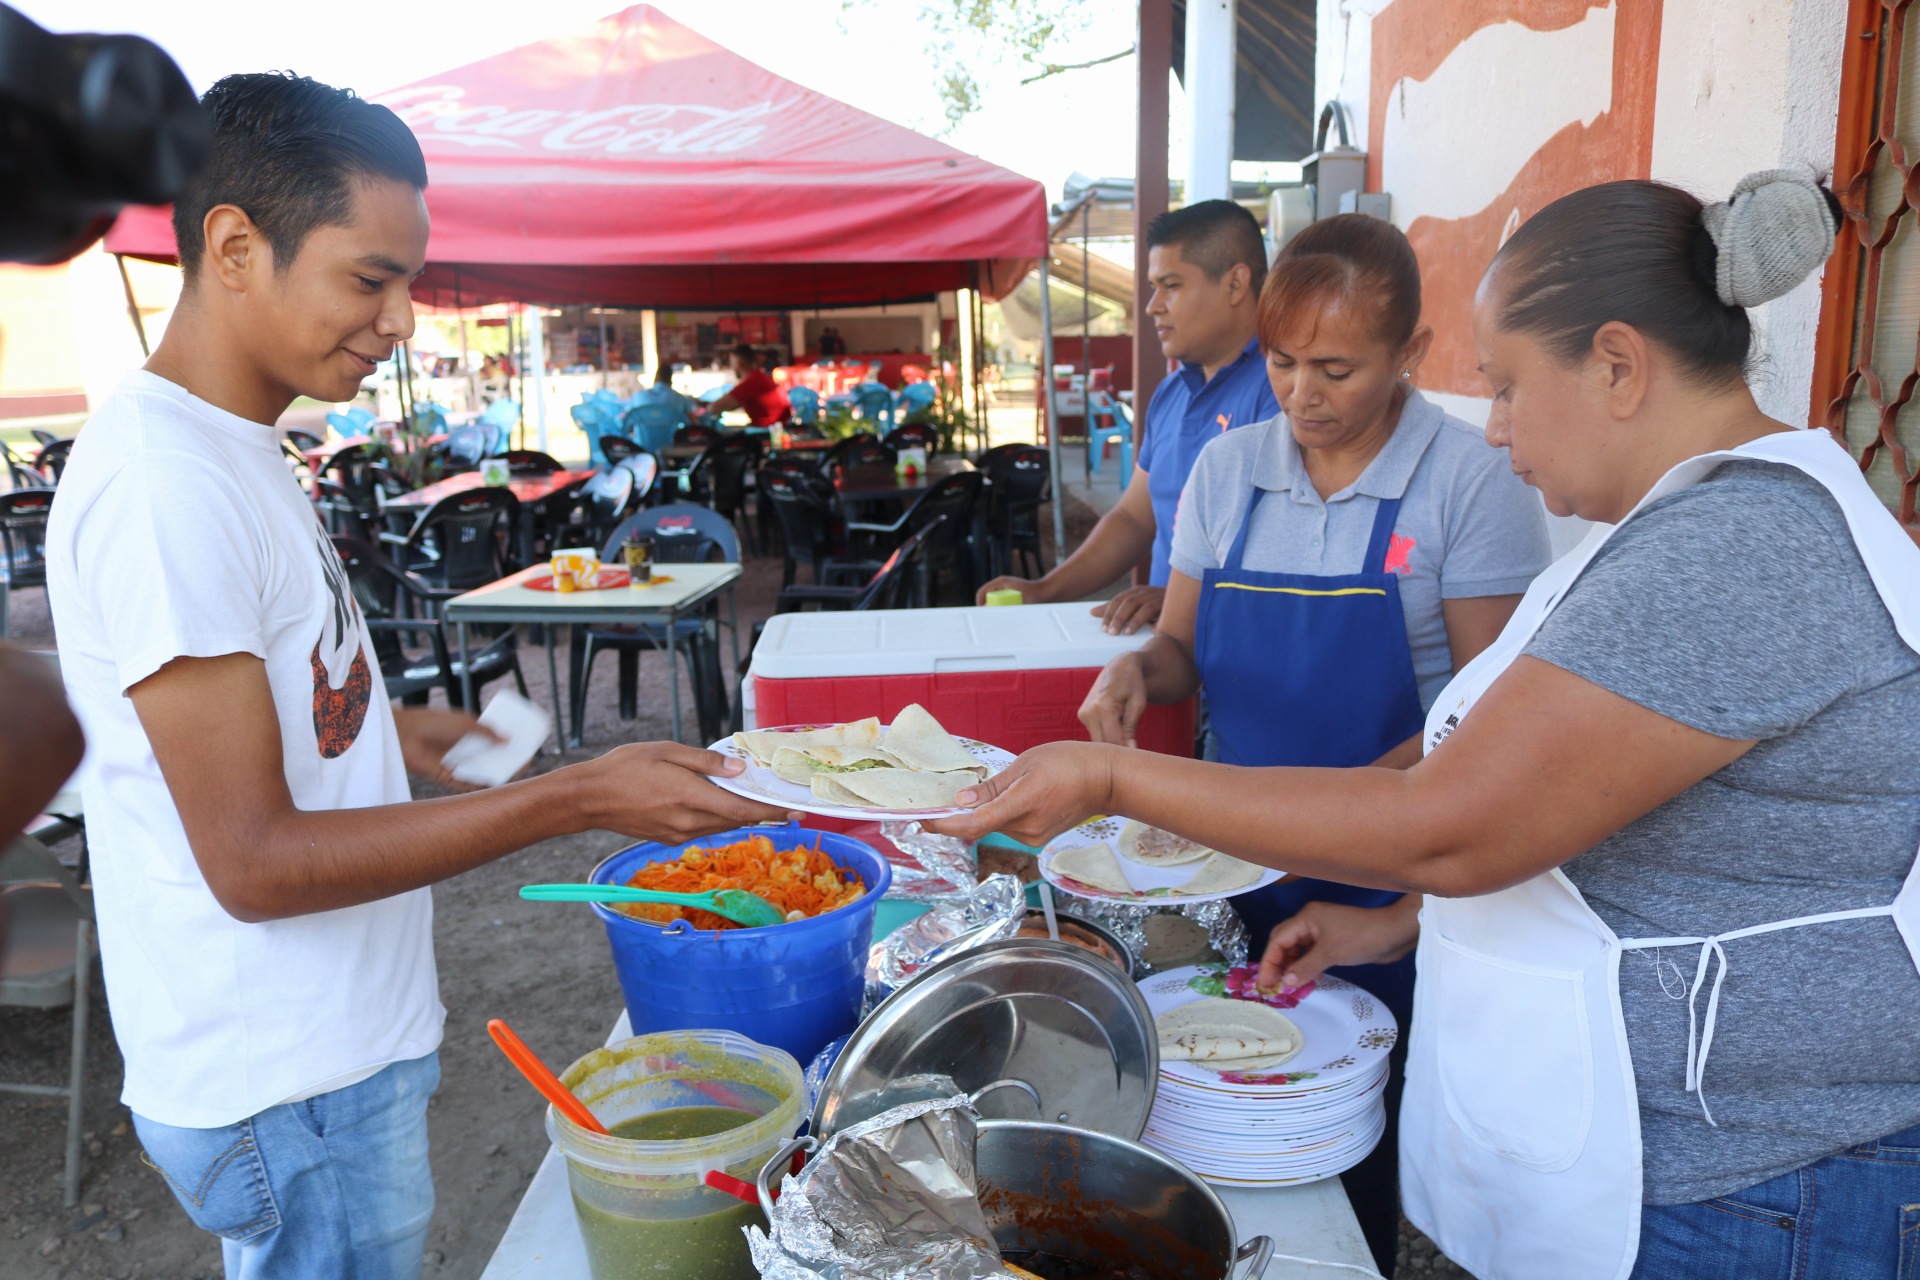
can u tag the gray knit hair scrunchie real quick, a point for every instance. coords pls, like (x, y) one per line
(1769, 235)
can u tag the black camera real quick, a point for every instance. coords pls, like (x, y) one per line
(88, 125)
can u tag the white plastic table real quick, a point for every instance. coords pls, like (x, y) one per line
(511, 600)
(1314, 1221)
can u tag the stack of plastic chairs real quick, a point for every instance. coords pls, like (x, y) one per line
(805, 403)
(652, 422)
(594, 418)
(916, 400)
(874, 403)
(351, 421)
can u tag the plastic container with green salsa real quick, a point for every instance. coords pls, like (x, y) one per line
(679, 1103)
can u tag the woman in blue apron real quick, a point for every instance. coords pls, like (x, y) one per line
(1331, 568)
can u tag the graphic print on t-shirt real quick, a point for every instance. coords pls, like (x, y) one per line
(339, 712)
(1399, 549)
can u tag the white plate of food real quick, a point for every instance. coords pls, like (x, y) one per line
(907, 770)
(1120, 860)
(1337, 1034)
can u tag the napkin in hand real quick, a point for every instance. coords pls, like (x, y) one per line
(480, 760)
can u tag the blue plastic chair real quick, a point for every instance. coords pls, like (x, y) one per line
(874, 403)
(805, 403)
(502, 413)
(652, 424)
(596, 421)
(1109, 421)
(714, 393)
(916, 401)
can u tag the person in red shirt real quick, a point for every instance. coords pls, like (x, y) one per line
(765, 403)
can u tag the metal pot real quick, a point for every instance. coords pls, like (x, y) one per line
(1098, 1198)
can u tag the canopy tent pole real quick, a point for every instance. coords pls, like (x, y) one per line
(650, 345)
(133, 308)
(963, 316)
(1053, 417)
(537, 361)
(979, 359)
(1086, 330)
(604, 366)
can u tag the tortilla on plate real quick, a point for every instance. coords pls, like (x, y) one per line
(1221, 874)
(916, 739)
(761, 744)
(1093, 865)
(799, 765)
(1152, 847)
(1237, 1035)
(892, 788)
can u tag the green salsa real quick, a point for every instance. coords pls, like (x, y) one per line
(855, 767)
(682, 1122)
(711, 1246)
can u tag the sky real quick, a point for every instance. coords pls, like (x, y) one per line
(871, 54)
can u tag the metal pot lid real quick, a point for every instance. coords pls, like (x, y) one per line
(1051, 1014)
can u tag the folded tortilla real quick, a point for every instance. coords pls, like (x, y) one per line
(798, 766)
(1093, 865)
(916, 739)
(1152, 847)
(1229, 1034)
(761, 744)
(1221, 874)
(891, 788)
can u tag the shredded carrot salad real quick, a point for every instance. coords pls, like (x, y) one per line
(795, 880)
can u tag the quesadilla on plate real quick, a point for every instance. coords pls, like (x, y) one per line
(918, 742)
(1093, 865)
(1235, 1035)
(761, 744)
(798, 765)
(1219, 873)
(885, 788)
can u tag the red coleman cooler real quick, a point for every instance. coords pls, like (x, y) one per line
(1013, 676)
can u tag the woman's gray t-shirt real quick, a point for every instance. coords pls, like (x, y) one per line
(1741, 607)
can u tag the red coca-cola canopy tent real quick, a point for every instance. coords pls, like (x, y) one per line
(637, 163)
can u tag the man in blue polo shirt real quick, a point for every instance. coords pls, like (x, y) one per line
(1204, 263)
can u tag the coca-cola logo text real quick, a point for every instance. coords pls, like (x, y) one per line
(440, 113)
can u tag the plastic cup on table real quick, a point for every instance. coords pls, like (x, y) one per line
(1006, 595)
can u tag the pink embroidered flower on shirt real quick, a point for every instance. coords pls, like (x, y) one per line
(1399, 549)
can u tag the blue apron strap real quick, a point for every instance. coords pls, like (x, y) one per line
(1384, 519)
(1232, 563)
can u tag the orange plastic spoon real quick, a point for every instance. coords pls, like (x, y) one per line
(542, 1079)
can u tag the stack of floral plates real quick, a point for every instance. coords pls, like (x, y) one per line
(1313, 1116)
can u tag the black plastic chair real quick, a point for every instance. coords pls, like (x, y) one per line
(44, 438)
(617, 449)
(682, 534)
(728, 475)
(899, 583)
(23, 544)
(952, 503)
(1020, 481)
(854, 453)
(304, 440)
(915, 435)
(51, 461)
(398, 605)
(810, 523)
(531, 462)
(19, 471)
(828, 459)
(461, 542)
(695, 435)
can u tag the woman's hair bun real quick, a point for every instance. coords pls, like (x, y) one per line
(1774, 231)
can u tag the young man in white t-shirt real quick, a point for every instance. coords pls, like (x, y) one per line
(260, 871)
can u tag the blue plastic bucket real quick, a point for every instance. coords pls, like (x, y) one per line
(795, 986)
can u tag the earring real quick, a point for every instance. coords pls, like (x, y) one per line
(1406, 373)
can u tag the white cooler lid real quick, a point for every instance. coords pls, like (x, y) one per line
(908, 642)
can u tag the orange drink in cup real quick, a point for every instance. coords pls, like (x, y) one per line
(575, 569)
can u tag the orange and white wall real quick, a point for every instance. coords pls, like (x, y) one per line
(1477, 113)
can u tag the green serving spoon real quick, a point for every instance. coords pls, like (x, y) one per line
(737, 905)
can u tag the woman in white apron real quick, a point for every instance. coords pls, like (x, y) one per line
(1668, 1017)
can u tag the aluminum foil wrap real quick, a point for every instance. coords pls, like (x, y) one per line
(1127, 921)
(946, 865)
(992, 910)
(891, 1198)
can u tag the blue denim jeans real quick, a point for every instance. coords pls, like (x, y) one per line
(1853, 1216)
(334, 1186)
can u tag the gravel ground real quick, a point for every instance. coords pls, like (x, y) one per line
(543, 968)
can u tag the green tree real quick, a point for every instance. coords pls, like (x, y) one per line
(966, 36)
